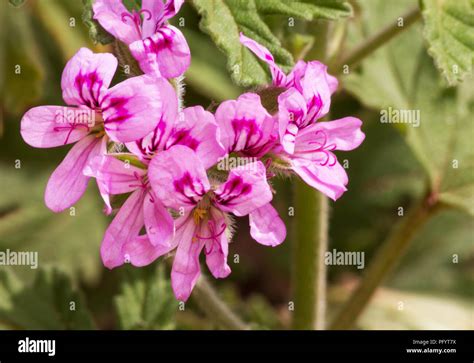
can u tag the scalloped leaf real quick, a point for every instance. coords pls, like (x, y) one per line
(306, 9)
(50, 302)
(223, 20)
(146, 300)
(449, 30)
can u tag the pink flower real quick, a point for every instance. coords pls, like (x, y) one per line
(122, 113)
(159, 48)
(179, 179)
(308, 145)
(310, 79)
(193, 127)
(247, 129)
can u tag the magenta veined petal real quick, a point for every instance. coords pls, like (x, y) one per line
(86, 78)
(342, 134)
(197, 129)
(68, 183)
(186, 270)
(330, 180)
(279, 77)
(216, 245)
(164, 54)
(141, 252)
(292, 115)
(266, 226)
(246, 126)
(50, 126)
(114, 17)
(178, 177)
(131, 107)
(115, 176)
(158, 222)
(125, 227)
(245, 190)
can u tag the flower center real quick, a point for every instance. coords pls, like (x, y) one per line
(136, 19)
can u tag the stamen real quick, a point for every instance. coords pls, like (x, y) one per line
(143, 183)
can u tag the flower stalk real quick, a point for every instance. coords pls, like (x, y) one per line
(309, 244)
(374, 42)
(209, 302)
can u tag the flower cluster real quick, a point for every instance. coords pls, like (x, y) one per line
(176, 197)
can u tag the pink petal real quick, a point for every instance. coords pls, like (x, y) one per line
(186, 270)
(342, 134)
(87, 77)
(153, 12)
(172, 8)
(124, 228)
(67, 183)
(217, 248)
(140, 252)
(160, 12)
(245, 190)
(116, 19)
(158, 222)
(317, 89)
(266, 226)
(114, 176)
(157, 139)
(246, 126)
(330, 180)
(132, 107)
(292, 115)
(279, 78)
(165, 53)
(178, 177)
(103, 193)
(49, 126)
(197, 129)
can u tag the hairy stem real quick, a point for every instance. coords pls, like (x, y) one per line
(384, 262)
(377, 40)
(309, 244)
(209, 302)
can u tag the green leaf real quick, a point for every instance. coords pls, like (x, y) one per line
(96, 32)
(443, 142)
(50, 302)
(401, 75)
(223, 20)
(397, 61)
(146, 300)
(207, 73)
(449, 30)
(70, 239)
(306, 9)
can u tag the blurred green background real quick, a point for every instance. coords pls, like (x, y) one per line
(385, 173)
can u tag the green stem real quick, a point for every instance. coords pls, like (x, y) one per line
(384, 262)
(209, 302)
(377, 40)
(309, 245)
